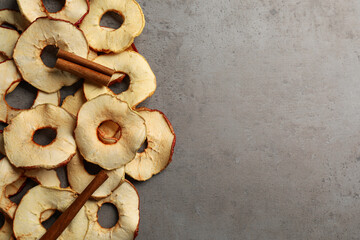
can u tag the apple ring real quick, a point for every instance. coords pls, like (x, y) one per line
(41, 33)
(158, 153)
(79, 178)
(115, 40)
(73, 10)
(19, 135)
(98, 110)
(10, 79)
(42, 199)
(126, 200)
(142, 79)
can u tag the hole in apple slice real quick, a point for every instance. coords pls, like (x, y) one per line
(108, 215)
(53, 6)
(111, 21)
(22, 97)
(48, 55)
(44, 136)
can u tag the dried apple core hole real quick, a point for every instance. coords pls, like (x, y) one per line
(108, 215)
(29, 183)
(2, 220)
(111, 136)
(91, 168)
(53, 6)
(118, 87)
(24, 92)
(50, 221)
(44, 136)
(111, 20)
(143, 146)
(48, 55)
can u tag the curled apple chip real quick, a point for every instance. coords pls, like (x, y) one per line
(101, 109)
(13, 18)
(6, 231)
(115, 40)
(126, 199)
(40, 199)
(142, 79)
(160, 146)
(41, 33)
(72, 11)
(79, 178)
(20, 132)
(8, 175)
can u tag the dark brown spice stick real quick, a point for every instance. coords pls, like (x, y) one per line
(85, 62)
(83, 72)
(66, 217)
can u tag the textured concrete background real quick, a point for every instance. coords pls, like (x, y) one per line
(264, 96)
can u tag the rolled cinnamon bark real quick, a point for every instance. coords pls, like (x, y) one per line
(66, 217)
(83, 72)
(85, 62)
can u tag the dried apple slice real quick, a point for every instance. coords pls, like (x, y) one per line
(48, 178)
(117, 40)
(40, 34)
(72, 104)
(72, 11)
(19, 135)
(27, 220)
(8, 41)
(13, 18)
(142, 79)
(126, 200)
(6, 231)
(101, 109)
(79, 178)
(158, 153)
(8, 175)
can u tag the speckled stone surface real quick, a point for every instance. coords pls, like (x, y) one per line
(264, 96)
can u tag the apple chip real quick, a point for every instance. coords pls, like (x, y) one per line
(6, 231)
(39, 200)
(7, 43)
(13, 18)
(142, 79)
(72, 11)
(41, 33)
(101, 109)
(160, 146)
(19, 135)
(116, 40)
(126, 200)
(72, 104)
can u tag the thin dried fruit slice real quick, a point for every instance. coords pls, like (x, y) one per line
(79, 178)
(8, 41)
(126, 200)
(19, 135)
(27, 220)
(6, 231)
(15, 187)
(142, 79)
(161, 141)
(43, 97)
(13, 18)
(72, 11)
(97, 111)
(8, 175)
(117, 40)
(40, 34)
(72, 104)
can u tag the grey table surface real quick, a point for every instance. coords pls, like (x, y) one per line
(264, 96)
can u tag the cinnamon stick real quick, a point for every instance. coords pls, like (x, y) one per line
(83, 72)
(85, 62)
(66, 217)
